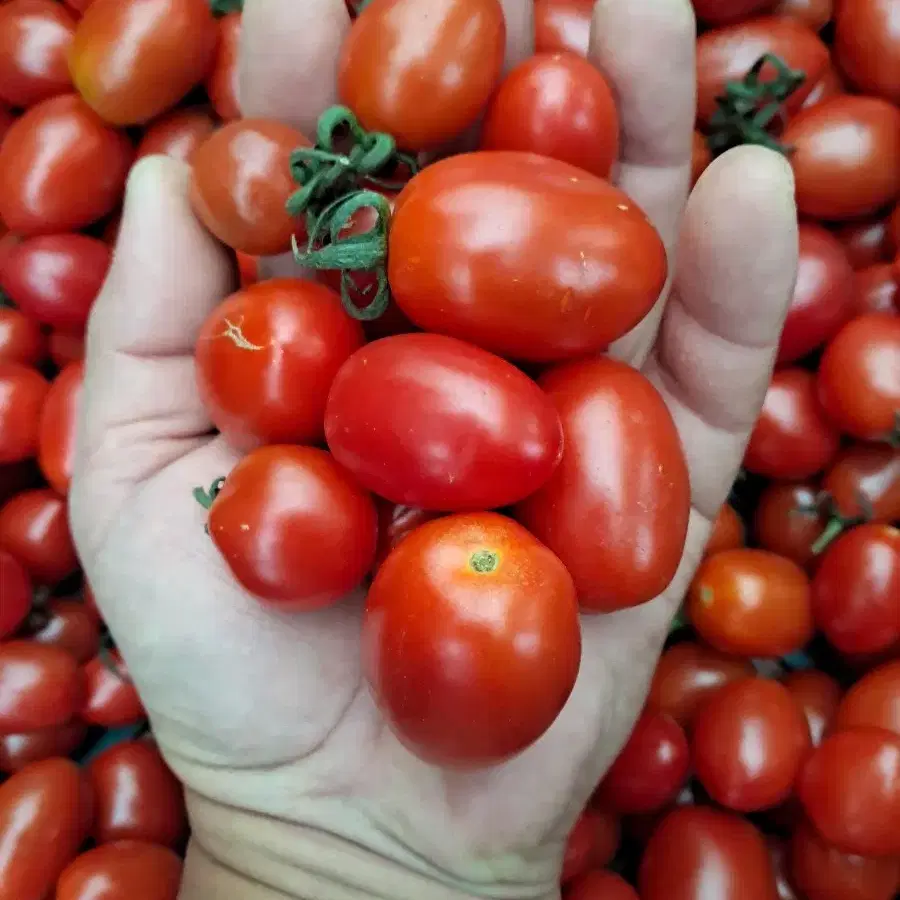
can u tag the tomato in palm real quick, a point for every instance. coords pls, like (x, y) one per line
(727, 532)
(818, 696)
(866, 241)
(481, 249)
(126, 870)
(240, 182)
(66, 348)
(395, 522)
(422, 72)
(42, 813)
(873, 701)
(815, 14)
(177, 134)
(562, 25)
(20, 750)
(601, 884)
(593, 841)
(34, 527)
(517, 667)
(725, 12)
(266, 358)
(111, 699)
(867, 46)
(701, 156)
(22, 393)
(222, 79)
(846, 157)
(56, 438)
(61, 168)
(792, 438)
(69, 625)
(21, 338)
(15, 589)
(864, 482)
(788, 520)
(557, 105)
(850, 789)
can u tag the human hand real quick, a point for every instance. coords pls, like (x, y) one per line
(295, 786)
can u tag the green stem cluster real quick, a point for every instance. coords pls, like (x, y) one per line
(224, 7)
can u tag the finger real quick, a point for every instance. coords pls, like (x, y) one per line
(519, 15)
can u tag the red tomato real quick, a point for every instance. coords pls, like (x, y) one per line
(617, 507)
(788, 520)
(432, 422)
(35, 37)
(815, 14)
(562, 25)
(21, 338)
(701, 156)
(877, 290)
(873, 701)
(481, 249)
(134, 59)
(698, 853)
(20, 750)
(395, 522)
(17, 477)
(894, 230)
(859, 377)
(22, 393)
(592, 842)
(222, 79)
(520, 661)
(56, 440)
(241, 181)
(792, 438)
(818, 696)
(850, 789)
(248, 269)
(846, 157)
(557, 105)
(866, 241)
(15, 589)
(34, 527)
(266, 358)
(601, 885)
(829, 85)
(66, 348)
(177, 134)
(111, 700)
(725, 12)
(423, 99)
(867, 46)
(727, 532)
(69, 625)
(864, 482)
(127, 870)
(6, 120)
(41, 827)
(61, 168)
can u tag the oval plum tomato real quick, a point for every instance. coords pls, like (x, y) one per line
(877, 290)
(850, 789)
(423, 97)
(815, 14)
(15, 589)
(395, 522)
(688, 674)
(22, 394)
(562, 25)
(823, 295)
(134, 59)
(40, 687)
(728, 53)
(859, 377)
(35, 37)
(66, 348)
(56, 438)
(864, 483)
(528, 291)
(788, 520)
(222, 79)
(617, 507)
(433, 422)
(701, 156)
(21, 338)
(873, 701)
(866, 242)
(61, 168)
(846, 157)
(792, 438)
(240, 182)
(727, 532)
(867, 46)
(126, 870)
(751, 603)
(557, 105)
(42, 815)
(69, 625)
(818, 696)
(651, 768)
(426, 606)
(592, 842)
(20, 750)
(177, 134)
(600, 884)
(279, 508)
(697, 853)
(725, 12)
(111, 699)
(829, 85)
(34, 527)
(266, 358)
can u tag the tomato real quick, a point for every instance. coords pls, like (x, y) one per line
(688, 674)
(557, 105)
(593, 841)
(701, 156)
(222, 78)
(778, 851)
(266, 358)
(21, 338)
(111, 699)
(520, 661)
(724, 12)
(562, 25)
(22, 393)
(69, 625)
(893, 227)
(850, 789)
(818, 696)
(601, 885)
(41, 827)
(127, 870)
(751, 603)
(395, 522)
(698, 853)
(20, 750)
(61, 168)
(481, 249)
(6, 120)
(864, 482)
(873, 701)
(859, 377)
(727, 532)
(17, 477)
(56, 439)
(35, 37)
(34, 527)
(866, 242)
(240, 182)
(788, 520)
(15, 589)
(846, 157)
(66, 348)
(877, 290)
(728, 53)
(829, 85)
(177, 134)
(867, 46)
(815, 14)
(792, 438)
(422, 73)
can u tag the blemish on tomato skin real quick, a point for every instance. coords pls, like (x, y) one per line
(234, 333)
(707, 596)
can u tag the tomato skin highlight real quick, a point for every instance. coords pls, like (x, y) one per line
(562, 25)
(866, 242)
(22, 393)
(15, 588)
(788, 521)
(616, 509)
(177, 134)
(867, 46)
(222, 80)
(111, 699)
(864, 482)
(818, 696)
(20, 750)
(487, 697)
(525, 292)
(68, 625)
(21, 338)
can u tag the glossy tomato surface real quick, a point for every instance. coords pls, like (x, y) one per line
(15, 589)
(724, 12)
(22, 393)
(177, 134)
(69, 625)
(460, 687)
(864, 482)
(562, 25)
(481, 249)
(818, 695)
(727, 532)
(395, 522)
(20, 750)
(59, 417)
(867, 46)
(34, 527)
(877, 290)
(788, 520)
(111, 699)
(866, 241)
(593, 841)
(21, 338)
(601, 884)
(815, 14)
(873, 701)
(222, 79)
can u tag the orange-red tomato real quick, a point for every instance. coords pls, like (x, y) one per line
(517, 666)
(22, 393)
(864, 482)
(56, 438)
(877, 290)
(818, 696)
(815, 14)
(177, 134)
(126, 870)
(866, 241)
(20, 750)
(111, 699)
(34, 527)
(600, 884)
(829, 85)
(21, 338)
(701, 156)
(69, 625)
(593, 841)
(724, 12)
(15, 588)
(874, 701)
(867, 46)
(727, 532)
(134, 59)
(66, 348)
(562, 25)
(222, 80)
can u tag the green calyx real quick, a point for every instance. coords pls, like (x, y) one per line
(224, 7)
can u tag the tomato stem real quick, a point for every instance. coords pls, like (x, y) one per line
(484, 561)
(205, 498)
(833, 530)
(224, 7)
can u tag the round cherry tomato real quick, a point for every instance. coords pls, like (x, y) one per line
(21, 338)
(61, 168)
(725, 12)
(127, 870)
(850, 789)
(177, 134)
(22, 393)
(877, 290)
(562, 25)
(818, 696)
(701, 156)
(266, 358)
(592, 842)
(133, 59)
(66, 348)
(240, 182)
(866, 241)
(111, 699)
(222, 79)
(601, 885)
(788, 520)
(35, 37)
(557, 105)
(521, 661)
(433, 422)
(395, 522)
(751, 603)
(864, 482)
(727, 532)
(15, 589)
(56, 439)
(792, 438)
(69, 625)
(423, 99)
(617, 507)
(867, 46)
(845, 154)
(20, 750)
(34, 527)
(873, 701)
(815, 14)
